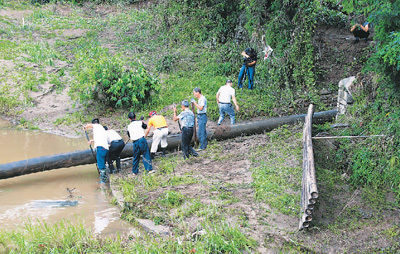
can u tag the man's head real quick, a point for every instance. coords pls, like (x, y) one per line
(152, 113)
(184, 104)
(228, 82)
(197, 92)
(95, 120)
(131, 116)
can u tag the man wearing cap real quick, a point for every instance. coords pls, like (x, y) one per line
(116, 145)
(136, 134)
(201, 117)
(100, 145)
(186, 118)
(224, 96)
(160, 133)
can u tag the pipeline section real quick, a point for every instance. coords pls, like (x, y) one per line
(83, 157)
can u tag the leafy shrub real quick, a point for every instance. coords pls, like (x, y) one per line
(107, 81)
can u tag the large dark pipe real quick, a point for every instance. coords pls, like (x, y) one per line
(77, 158)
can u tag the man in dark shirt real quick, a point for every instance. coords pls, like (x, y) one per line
(249, 66)
(360, 31)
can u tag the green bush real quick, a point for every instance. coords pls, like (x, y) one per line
(107, 81)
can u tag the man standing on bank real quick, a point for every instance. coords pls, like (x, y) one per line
(136, 134)
(101, 147)
(201, 106)
(224, 96)
(116, 146)
(186, 118)
(248, 67)
(160, 133)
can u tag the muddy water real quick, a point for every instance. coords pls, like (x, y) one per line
(70, 193)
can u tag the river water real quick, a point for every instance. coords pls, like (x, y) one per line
(70, 193)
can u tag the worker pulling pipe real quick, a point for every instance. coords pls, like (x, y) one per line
(83, 157)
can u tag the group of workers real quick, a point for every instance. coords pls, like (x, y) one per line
(109, 144)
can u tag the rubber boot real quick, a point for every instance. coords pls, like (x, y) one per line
(163, 151)
(152, 155)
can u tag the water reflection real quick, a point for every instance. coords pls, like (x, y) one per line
(70, 193)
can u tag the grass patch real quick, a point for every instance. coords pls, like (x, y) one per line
(277, 170)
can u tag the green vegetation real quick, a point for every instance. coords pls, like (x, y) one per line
(137, 58)
(277, 182)
(65, 238)
(375, 163)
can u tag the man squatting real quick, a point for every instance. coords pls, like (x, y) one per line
(160, 133)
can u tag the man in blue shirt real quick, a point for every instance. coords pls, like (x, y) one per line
(201, 106)
(186, 118)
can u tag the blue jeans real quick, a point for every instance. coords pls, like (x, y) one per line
(140, 147)
(250, 73)
(101, 155)
(187, 149)
(202, 132)
(226, 109)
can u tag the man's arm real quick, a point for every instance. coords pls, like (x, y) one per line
(252, 63)
(353, 27)
(88, 126)
(244, 54)
(175, 118)
(235, 102)
(197, 105)
(217, 97)
(364, 28)
(147, 131)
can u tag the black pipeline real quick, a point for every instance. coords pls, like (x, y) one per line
(77, 158)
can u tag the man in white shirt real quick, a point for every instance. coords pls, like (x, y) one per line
(136, 134)
(116, 146)
(201, 106)
(224, 96)
(100, 145)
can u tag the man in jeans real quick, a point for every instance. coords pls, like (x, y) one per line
(224, 96)
(101, 147)
(186, 118)
(136, 134)
(201, 117)
(248, 67)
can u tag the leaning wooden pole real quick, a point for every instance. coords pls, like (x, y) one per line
(309, 191)
(77, 158)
